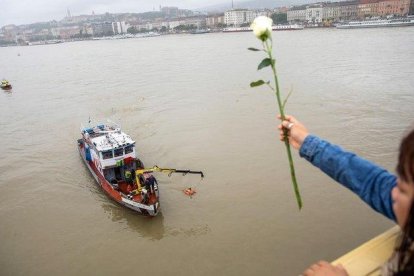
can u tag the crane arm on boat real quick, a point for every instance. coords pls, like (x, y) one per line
(169, 171)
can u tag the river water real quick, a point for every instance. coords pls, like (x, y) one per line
(186, 101)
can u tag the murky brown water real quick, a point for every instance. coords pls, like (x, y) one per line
(186, 100)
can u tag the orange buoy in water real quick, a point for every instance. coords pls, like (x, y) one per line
(189, 192)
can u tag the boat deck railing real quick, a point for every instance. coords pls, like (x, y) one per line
(368, 258)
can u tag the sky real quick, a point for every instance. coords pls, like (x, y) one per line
(20, 12)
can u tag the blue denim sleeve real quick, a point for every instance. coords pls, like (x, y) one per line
(370, 182)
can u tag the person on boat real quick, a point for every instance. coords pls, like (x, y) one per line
(388, 194)
(144, 196)
(150, 183)
(132, 174)
(128, 177)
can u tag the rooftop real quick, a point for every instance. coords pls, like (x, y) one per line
(107, 136)
(112, 140)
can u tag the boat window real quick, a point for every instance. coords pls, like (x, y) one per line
(107, 154)
(119, 152)
(129, 149)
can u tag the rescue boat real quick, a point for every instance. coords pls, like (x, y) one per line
(111, 157)
(5, 85)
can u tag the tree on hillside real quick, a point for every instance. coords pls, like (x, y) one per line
(132, 30)
(279, 18)
(182, 28)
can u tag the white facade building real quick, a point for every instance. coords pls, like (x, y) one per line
(174, 23)
(296, 14)
(332, 11)
(314, 14)
(238, 17)
(120, 27)
(149, 26)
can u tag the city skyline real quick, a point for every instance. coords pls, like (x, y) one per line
(26, 11)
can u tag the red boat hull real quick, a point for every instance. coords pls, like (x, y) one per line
(151, 208)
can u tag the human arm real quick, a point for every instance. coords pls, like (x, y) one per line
(370, 182)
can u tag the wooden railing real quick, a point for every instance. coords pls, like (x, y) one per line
(369, 258)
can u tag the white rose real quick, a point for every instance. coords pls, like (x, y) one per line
(262, 27)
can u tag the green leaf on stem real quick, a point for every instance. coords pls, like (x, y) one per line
(253, 49)
(266, 62)
(256, 83)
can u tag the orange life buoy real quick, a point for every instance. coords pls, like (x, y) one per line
(189, 191)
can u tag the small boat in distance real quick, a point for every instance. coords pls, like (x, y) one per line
(380, 23)
(110, 156)
(5, 85)
(291, 27)
(200, 31)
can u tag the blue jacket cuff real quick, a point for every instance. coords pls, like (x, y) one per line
(309, 146)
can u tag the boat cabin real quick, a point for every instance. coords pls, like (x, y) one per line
(111, 150)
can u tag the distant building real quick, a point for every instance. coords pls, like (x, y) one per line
(280, 10)
(349, 10)
(198, 21)
(66, 32)
(86, 18)
(25, 35)
(332, 11)
(367, 8)
(142, 26)
(154, 25)
(238, 17)
(174, 23)
(9, 32)
(394, 7)
(314, 13)
(267, 13)
(104, 28)
(297, 14)
(171, 12)
(149, 26)
(214, 20)
(120, 27)
(185, 13)
(87, 29)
